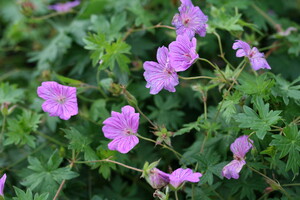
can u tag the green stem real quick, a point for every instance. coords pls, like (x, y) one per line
(222, 55)
(205, 107)
(231, 86)
(50, 138)
(88, 119)
(140, 111)
(196, 77)
(51, 15)
(266, 16)
(99, 85)
(290, 185)
(203, 143)
(2, 133)
(110, 161)
(215, 67)
(132, 30)
(26, 157)
(176, 195)
(163, 145)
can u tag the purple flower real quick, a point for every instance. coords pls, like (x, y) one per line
(160, 75)
(239, 148)
(190, 20)
(256, 58)
(122, 129)
(183, 53)
(2, 182)
(179, 176)
(64, 7)
(233, 169)
(60, 100)
(158, 179)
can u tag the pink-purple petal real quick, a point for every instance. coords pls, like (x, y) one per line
(179, 176)
(183, 53)
(160, 75)
(233, 169)
(2, 183)
(241, 146)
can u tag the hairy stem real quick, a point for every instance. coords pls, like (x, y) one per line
(99, 86)
(215, 67)
(110, 161)
(140, 111)
(50, 138)
(163, 145)
(62, 184)
(176, 195)
(196, 77)
(132, 30)
(222, 54)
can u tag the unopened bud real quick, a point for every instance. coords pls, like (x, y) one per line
(130, 98)
(160, 195)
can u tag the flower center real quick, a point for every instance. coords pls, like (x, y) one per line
(168, 71)
(251, 54)
(61, 99)
(188, 56)
(237, 158)
(127, 131)
(186, 21)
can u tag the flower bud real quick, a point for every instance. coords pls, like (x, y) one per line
(160, 195)
(130, 98)
(157, 179)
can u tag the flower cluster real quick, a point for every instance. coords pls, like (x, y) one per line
(239, 148)
(256, 58)
(179, 57)
(190, 20)
(181, 53)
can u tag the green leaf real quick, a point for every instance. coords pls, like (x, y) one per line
(115, 53)
(80, 143)
(98, 110)
(10, 93)
(55, 49)
(97, 43)
(110, 54)
(111, 29)
(209, 163)
(46, 177)
(294, 47)
(289, 144)
(21, 195)
(188, 127)
(222, 20)
(19, 129)
(255, 85)
(166, 112)
(228, 105)
(286, 89)
(260, 122)
(142, 16)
